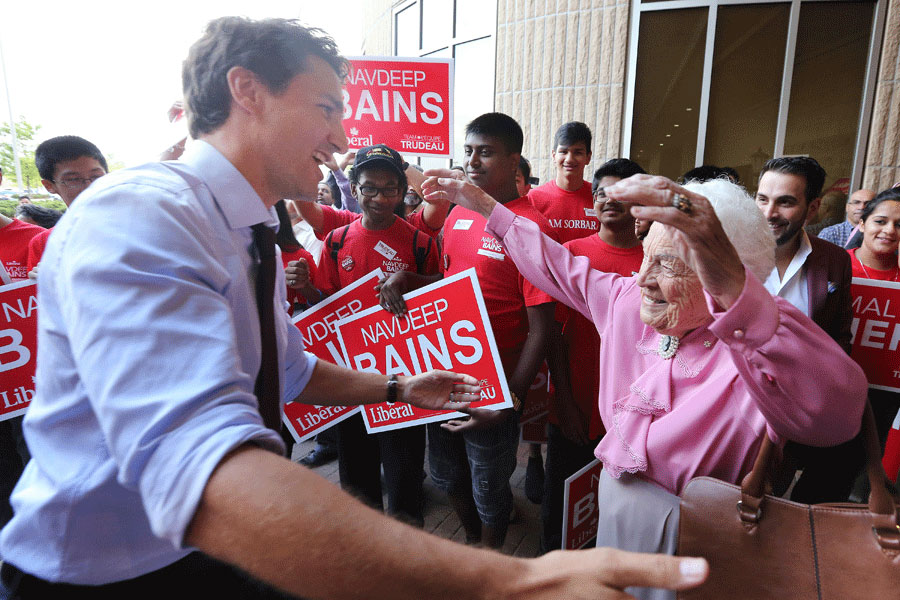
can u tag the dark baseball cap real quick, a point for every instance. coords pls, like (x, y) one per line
(380, 155)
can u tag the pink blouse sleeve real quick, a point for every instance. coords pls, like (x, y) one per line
(803, 382)
(551, 268)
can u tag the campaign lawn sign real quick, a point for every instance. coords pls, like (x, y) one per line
(876, 335)
(876, 331)
(406, 103)
(317, 326)
(446, 327)
(582, 514)
(18, 347)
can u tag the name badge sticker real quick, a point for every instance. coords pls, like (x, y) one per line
(589, 212)
(385, 250)
(463, 224)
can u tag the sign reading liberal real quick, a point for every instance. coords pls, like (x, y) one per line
(582, 512)
(439, 331)
(319, 337)
(18, 347)
(406, 103)
(876, 331)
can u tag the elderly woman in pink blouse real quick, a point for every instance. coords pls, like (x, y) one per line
(698, 360)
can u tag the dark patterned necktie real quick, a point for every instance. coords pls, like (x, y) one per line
(266, 389)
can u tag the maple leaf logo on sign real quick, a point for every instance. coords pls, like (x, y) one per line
(354, 131)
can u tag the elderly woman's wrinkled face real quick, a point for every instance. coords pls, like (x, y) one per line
(672, 300)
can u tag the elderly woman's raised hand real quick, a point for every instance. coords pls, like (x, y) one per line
(449, 184)
(696, 232)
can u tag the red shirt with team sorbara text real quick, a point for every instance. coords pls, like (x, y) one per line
(570, 214)
(506, 293)
(364, 250)
(14, 239)
(580, 335)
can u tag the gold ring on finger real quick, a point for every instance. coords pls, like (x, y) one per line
(682, 203)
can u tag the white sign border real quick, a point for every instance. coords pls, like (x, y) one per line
(492, 344)
(566, 486)
(6, 288)
(878, 283)
(451, 106)
(375, 274)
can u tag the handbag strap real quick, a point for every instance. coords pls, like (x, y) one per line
(881, 506)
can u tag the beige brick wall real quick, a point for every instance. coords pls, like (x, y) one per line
(883, 156)
(558, 61)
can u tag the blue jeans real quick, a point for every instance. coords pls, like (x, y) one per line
(484, 459)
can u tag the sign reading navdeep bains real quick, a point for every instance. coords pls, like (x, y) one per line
(406, 103)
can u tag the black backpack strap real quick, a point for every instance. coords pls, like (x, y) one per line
(335, 247)
(421, 253)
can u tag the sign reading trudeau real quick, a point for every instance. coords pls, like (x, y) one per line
(446, 327)
(876, 331)
(582, 512)
(405, 103)
(18, 347)
(319, 337)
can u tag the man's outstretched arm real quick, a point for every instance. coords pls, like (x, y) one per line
(291, 528)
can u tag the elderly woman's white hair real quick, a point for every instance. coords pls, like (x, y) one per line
(743, 222)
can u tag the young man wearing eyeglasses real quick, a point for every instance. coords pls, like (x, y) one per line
(68, 164)
(323, 219)
(380, 239)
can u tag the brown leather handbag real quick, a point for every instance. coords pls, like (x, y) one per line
(764, 547)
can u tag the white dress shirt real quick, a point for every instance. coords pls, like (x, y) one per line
(148, 350)
(792, 287)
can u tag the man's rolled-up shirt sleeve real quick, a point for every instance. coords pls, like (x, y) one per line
(153, 337)
(298, 367)
(803, 382)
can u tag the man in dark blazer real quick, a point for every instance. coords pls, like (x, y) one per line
(815, 276)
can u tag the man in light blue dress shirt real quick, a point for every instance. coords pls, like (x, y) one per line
(152, 471)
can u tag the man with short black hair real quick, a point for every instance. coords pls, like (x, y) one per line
(165, 349)
(575, 427)
(472, 460)
(566, 201)
(68, 164)
(815, 276)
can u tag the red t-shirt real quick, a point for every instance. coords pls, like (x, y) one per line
(36, 247)
(293, 296)
(506, 293)
(364, 250)
(570, 214)
(869, 272)
(333, 218)
(14, 241)
(580, 335)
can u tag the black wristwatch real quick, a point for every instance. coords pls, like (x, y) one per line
(391, 389)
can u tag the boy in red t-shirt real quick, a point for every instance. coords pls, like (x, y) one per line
(575, 427)
(566, 201)
(15, 235)
(380, 239)
(472, 460)
(325, 219)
